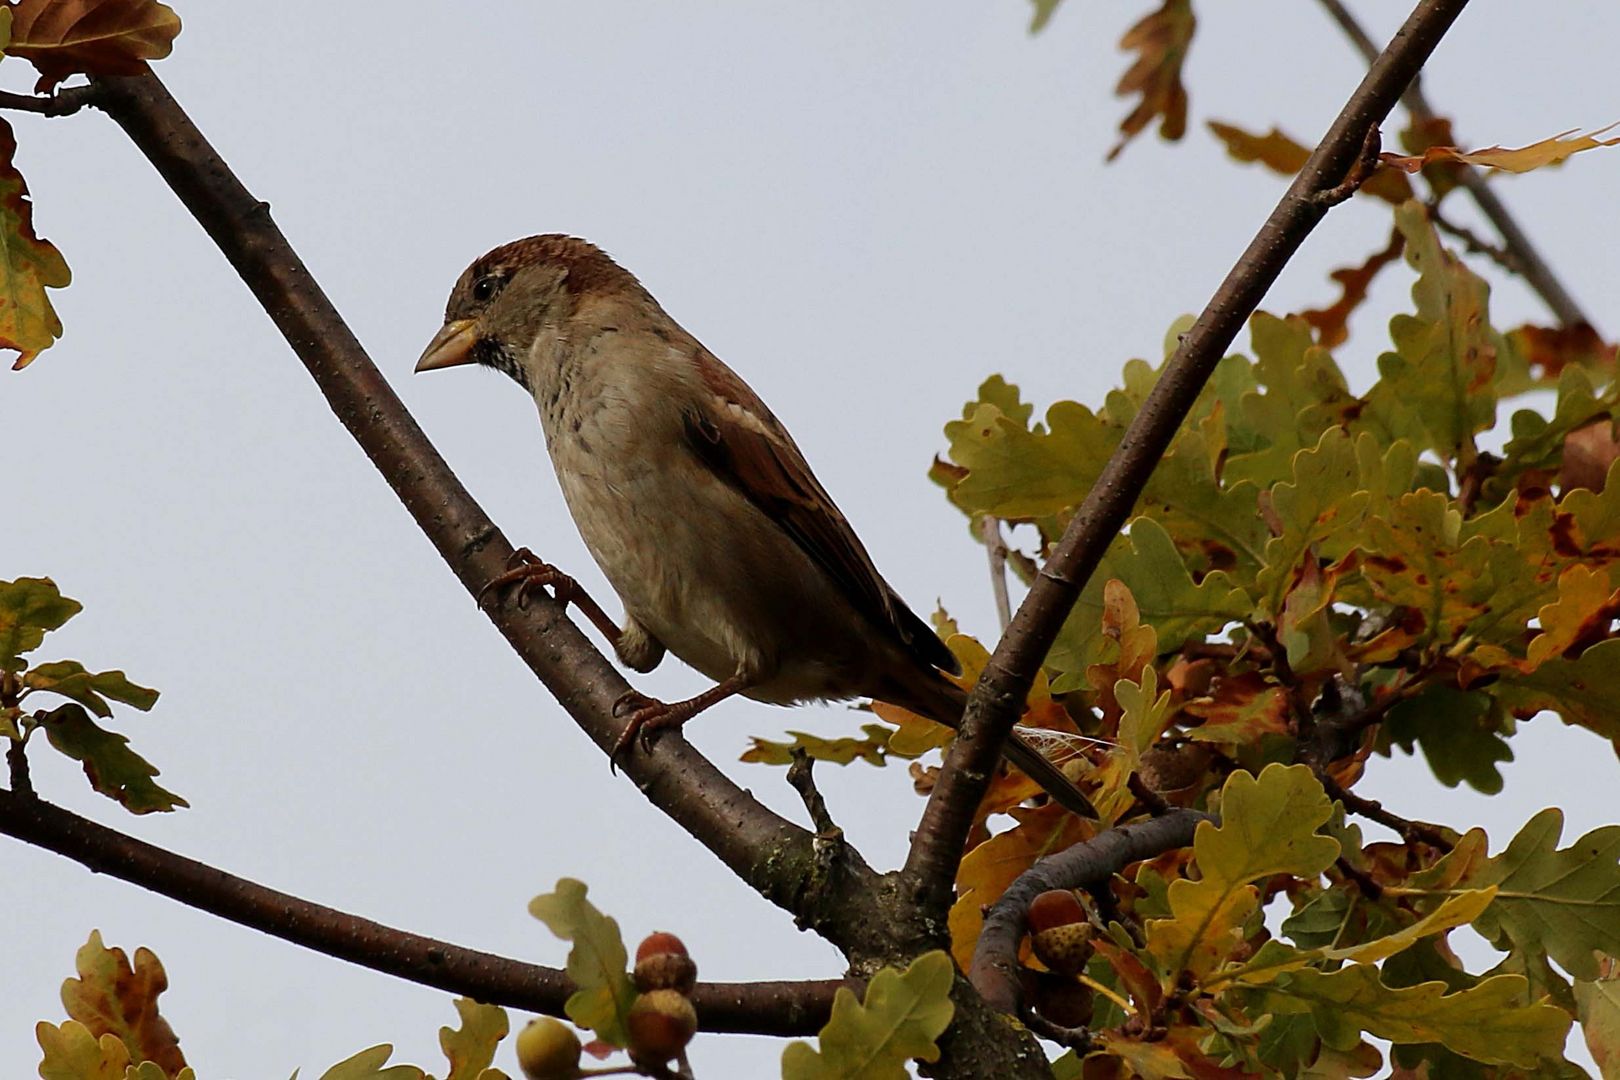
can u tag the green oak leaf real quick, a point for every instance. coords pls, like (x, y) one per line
(1178, 608)
(1268, 826)
(1460, 733)
(1564, 903)
(596, 962)
(372, 1064)
(873, 748)
(470, 1048)
(29, 607)
(1438, 386)
(899, 1020)
(113, 768)
(90, 689)
(1582, 691)
(1487, 1022)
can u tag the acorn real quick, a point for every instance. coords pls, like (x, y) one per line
(548, 1049)
(1059, 999)
(660, 1024)
(662, 963)
(1060, 931)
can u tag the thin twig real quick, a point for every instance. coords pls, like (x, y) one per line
(779, 1008)
(1359, 172)
(994, 972)
(1471, 240)
(802, 779)
(1361, 879)
(65, 102)
(1147, 796)
(1077, 1039)
(1517, 244)
(997, 699)
(996, 548)
(1410, 831)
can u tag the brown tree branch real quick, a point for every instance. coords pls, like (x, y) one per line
(768, 852)
(997, 699)
(65, 102)
(767, 1008)
(1410, 830)
(1522, 254)
(1087, 864)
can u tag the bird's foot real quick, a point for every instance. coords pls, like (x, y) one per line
(529, 572)
(645, 717)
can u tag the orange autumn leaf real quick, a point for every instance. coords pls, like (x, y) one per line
(1331, 322)
(1546, 152)
(1160, 41)
(28, 322)
(1550, 349)
(113, 997)
(90, 37)
(1276, 151)
(987, 870)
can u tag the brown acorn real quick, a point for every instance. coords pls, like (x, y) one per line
(660, 1024)
(1059, 999)
(1060, 932)
(662, 963)
(548, 1049)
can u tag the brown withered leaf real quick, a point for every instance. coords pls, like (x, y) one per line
(1550, 349)
(1160, 41)
(1281, 154)
(1549, 151)
(111, 997)
(1588, 452)
(1331, 322)
(28, 266)
(1276, 151)
(987, 870)
(90, 37)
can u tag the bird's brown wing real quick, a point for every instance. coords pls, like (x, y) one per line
(741, 441)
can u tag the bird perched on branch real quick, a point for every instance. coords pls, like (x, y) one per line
(695, 502)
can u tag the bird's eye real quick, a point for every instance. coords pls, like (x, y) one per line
(485, 288)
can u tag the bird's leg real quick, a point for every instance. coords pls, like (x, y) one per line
(527, 571)
(649, 716)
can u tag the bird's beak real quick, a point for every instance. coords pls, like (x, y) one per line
(452, 345)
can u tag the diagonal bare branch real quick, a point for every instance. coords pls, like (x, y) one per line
(994, 706)
(769, 1008)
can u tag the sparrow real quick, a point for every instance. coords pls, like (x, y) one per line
(695, 502)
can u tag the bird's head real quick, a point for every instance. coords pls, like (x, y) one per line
(506, 298)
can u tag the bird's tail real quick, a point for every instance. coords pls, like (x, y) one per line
(944, 701)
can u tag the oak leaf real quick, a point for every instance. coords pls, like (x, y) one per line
(596, 961)
(901, 1016)
(111, 996)
(1160, 41)
(29, 266)
(113, 768)
(1550, 151)
(91, 37)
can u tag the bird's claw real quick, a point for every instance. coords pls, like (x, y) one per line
(528, 571)
(647, 717)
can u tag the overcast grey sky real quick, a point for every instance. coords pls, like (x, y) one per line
(863, 208)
